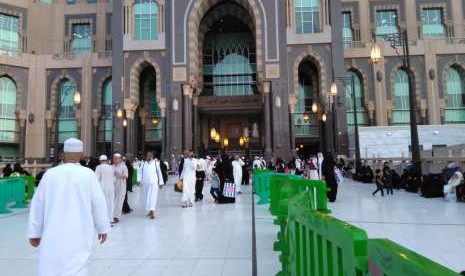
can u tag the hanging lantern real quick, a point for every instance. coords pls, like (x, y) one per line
(323, 117)
(119, 113)
(375, 53)
(314, 108)
(125, 122)
(333, 90)
(213, 133)
(217, 138)
(225, 142)
(155, 121)
(241, 141)
(306, 117)
(77, 97)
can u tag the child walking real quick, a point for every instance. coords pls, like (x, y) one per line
(215, 185)
(378, 182)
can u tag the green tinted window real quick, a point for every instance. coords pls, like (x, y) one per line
(9, 35)
(401, 110)
(359, 100)
(307, 16)
(432, 22)
(7, 109)
(81, 38)
(107, 112)
(347, 29)
(67, 125)
(145, 20)
(386, 23)
(455, 106)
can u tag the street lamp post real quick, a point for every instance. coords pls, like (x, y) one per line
(400, 39)
(351, 80)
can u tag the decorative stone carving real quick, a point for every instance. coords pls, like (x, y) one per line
(95, 116)
(272, 71)
(179, 74)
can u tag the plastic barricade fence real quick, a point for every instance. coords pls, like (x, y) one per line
(12, 191)
(321, 245)
(261, 185)
(284, 188)
(387, 258)
(30, 187)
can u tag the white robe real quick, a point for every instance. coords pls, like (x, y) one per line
(120, 189)
(151, 178)
(67, 211)
(188, 180)
(106, 176)
(237, 173)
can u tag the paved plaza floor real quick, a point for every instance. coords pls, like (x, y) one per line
(211, 239)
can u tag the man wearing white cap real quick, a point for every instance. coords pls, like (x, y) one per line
(121, 173)
(152, 180)
(106, 176)
(67, 212)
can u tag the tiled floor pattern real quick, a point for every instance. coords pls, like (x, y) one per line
(214, 239)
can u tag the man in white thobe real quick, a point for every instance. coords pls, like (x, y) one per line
(121, 174)
(188, 179)
(106, 176)
(67, 212)
(152, 180)
(237, 172)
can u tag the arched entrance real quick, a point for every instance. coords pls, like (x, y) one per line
(145, 131)
(307, 119)
(228, 99)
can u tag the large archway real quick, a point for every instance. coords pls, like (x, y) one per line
(227, 73)
(307, 125)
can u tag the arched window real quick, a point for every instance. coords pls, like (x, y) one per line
(7, 110)
(359, 100)
(455, 106)
(307, 16)
(401, 109)
(145, 20)
(107, 111)
(67, 125)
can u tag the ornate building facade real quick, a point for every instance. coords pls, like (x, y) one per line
(248, 76)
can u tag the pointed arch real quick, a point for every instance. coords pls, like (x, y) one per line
(319, 63)
(454, 94)
(360, 98)
(137, 68)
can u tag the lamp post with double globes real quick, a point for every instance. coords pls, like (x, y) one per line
(396, 40)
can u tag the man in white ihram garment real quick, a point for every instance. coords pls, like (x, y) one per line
(68, 211)
(237, 172)
(188, 179)
(152, 180)
(121, 173)
(106, 176)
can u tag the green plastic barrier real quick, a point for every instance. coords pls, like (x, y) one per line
(261, 185)
(11, 191)
(30, 186)
(322, 245)
(134, 177)
(390, 259)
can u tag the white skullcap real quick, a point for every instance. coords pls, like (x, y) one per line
(103, 158)
(73, 145)
(116, 155)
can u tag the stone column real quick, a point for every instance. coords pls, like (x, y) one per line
(196, 142)
(130, 141)
(292, 103)
(187, 116)
(95, 120)
(21, 117)
(49, 124)
(267, 113)
(143, 121)
(162, 105)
